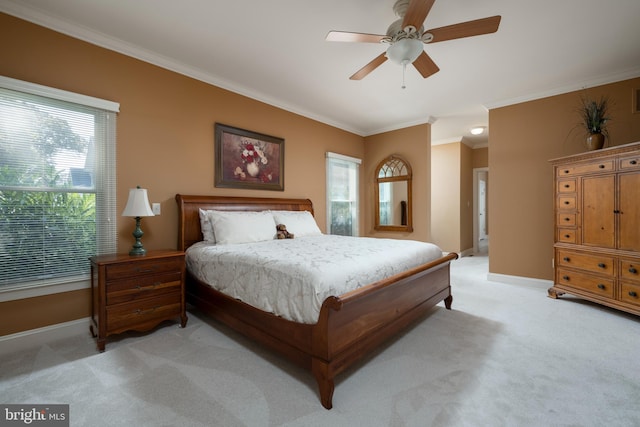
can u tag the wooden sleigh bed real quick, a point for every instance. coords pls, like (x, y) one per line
(349, 326)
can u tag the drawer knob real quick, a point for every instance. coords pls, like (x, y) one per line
(600, 286)
(567, 236)
(602, 265)
(601, 166)
(633, 271)
(634, 162)
(567, 219)
(565, 277)
(566, 202)
(566, 186)
(566, 171)
(633, 294)
(566, 259)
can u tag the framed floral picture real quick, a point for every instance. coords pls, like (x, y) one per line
(245, 159)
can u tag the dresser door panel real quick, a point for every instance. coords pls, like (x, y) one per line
(598, 218)
(629, 216)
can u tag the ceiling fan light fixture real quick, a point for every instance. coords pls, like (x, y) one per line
(405, 51)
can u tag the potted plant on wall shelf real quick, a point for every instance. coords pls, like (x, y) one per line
(594, 117)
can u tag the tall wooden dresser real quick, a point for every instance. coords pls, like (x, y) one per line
(597, 226)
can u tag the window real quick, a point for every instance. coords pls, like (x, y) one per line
(57, 184)
(342, 194)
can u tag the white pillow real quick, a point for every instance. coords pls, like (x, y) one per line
(300, 223)
(242, 227)
(205, 227)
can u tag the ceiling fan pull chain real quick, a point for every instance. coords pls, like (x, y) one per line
(404, 68)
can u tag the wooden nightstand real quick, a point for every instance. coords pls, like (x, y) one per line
(136, 292)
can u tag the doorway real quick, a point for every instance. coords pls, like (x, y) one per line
(480, 211)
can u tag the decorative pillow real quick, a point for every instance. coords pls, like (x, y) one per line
(242, 227)
(300, 223)
(205, 227)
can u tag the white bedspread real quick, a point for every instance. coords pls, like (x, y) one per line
(292, 277)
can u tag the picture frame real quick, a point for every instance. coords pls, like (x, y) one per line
(248, 160)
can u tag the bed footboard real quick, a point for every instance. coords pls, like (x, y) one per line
(353, 325)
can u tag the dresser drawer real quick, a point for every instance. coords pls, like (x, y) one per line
(566, 202)
(630, 270)
(137, 268)
(585, 282)
(125, 290)
(629, 163)
(596, 263)
(128, 316)
(566, 219)
(630, 292)
(566, 235)
(567, 186)
(579, 169)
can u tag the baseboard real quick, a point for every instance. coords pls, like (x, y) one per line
(467, 252)
(36, 337)
(520, 280)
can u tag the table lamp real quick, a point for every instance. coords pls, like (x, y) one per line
(137, 207)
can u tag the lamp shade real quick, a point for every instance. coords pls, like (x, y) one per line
(138, 203)
(405, 51)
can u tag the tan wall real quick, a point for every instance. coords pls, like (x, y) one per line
(466, 198)
(164, 141)
(414, 145)
(445, 196)
(480, 158)
(523, 138)
(452, 196)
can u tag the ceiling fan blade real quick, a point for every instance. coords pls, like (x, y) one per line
(417, 12)
(425, 65)
(343, 36)
(465, 29)
(362, 72)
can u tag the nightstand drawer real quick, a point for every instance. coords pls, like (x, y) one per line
(151, 266)
(591, 262)
(146, 286)
(594, 285)
(129, 316)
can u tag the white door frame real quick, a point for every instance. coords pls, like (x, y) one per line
(476, 225)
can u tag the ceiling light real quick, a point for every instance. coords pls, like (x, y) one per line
(405, 51)
(478, 130)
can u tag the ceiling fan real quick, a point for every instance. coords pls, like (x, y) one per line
(406, 37)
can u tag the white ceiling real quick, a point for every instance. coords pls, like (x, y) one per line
(274, 51)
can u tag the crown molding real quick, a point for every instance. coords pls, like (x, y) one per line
(599, 81)
(85, 34)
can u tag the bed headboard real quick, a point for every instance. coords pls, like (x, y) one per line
(189, 211)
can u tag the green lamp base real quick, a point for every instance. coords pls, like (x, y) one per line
(138, 249)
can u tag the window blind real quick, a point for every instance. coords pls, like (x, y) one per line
(342, 194)
(57, 184)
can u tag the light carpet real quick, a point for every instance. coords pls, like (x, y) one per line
(506, 355)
